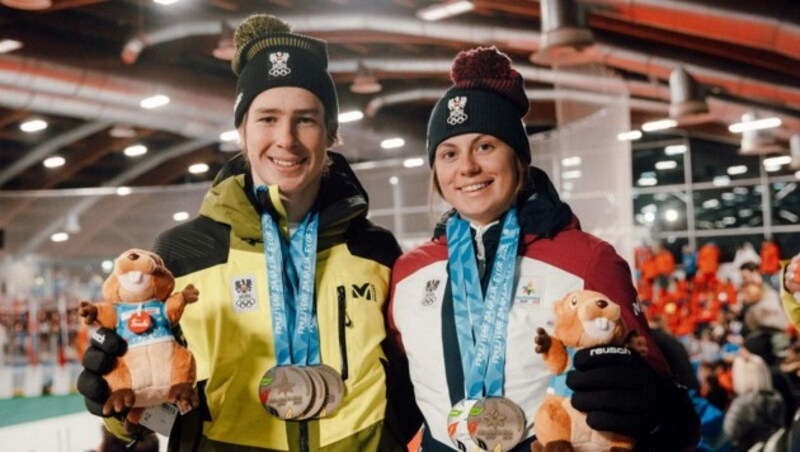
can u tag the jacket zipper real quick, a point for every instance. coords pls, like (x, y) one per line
(344, 322)
(304, 437)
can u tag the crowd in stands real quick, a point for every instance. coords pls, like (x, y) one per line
(738, 351)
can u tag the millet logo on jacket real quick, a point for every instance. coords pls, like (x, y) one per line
(366, 291)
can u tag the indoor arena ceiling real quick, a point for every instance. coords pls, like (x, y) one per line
(84, 66)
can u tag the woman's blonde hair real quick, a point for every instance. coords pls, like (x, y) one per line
(750, 374)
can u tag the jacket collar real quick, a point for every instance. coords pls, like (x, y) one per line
(541, 211)
(232, 201)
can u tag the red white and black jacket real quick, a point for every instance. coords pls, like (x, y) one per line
(554, 257)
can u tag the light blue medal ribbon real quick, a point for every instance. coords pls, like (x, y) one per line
(482, 325)
(291, 273)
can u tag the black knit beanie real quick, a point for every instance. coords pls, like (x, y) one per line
(488, 97)
(268, 56)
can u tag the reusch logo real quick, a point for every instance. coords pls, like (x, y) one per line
(366, 290)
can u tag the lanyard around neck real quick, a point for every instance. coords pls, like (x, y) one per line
(482, 323)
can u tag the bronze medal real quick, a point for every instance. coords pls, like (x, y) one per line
(320, 393)
(457, 426)
(286, 392)
(335, 387)
(496, 424)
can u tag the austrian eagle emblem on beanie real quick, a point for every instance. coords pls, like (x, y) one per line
(456, 106)
(279, 62)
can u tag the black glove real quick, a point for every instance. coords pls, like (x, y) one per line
(105, 347)
(620, 392)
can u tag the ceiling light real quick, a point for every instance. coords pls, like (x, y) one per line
(350, 116)
(567, 186)
(159, 100)
(661, 124)
(443, 10)
(413, 162)
(729, 221)
(230, 135)
(777, 161)
(666, 165)
(574, 174)
(740, 190)
(757, 124)
(135, 150)
(797, 174)
(9, 45)
(721, 181)
(647, 181)
(54, 162)
(34, 125)
(166, 2)
(629, 135)
(745, 212)
(711, 203)
(675, 149)
(122, 131)
(180, 216)
(727, 196)
(571, 161)
(394, 180)
(772, 168)
(124, 191)
(198, 168)
(738, 169)
(107, 266)
(392, 143)
(59, 237)
(649, 217)
(365, 81)
(671, 215)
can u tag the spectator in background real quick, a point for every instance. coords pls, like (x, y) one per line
(689, 262)
(761, 306)
(770, 261)
(758, 410)
(763, 345)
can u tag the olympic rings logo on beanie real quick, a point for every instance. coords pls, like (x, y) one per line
(497, 102)
(269, 55)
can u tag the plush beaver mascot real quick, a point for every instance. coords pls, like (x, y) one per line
(140, 306)
(583, 318)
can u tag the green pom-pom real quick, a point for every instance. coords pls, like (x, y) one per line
(259, 25)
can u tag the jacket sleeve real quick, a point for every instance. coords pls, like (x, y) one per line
(402, 414)
(610, 275)
(679, 430)
(790, 305)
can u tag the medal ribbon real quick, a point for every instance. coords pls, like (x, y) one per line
(482, 323)
(291, 270)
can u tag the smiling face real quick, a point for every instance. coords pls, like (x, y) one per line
(478, 175)
(284, 137)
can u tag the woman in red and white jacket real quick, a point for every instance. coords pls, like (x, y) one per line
(461, 353)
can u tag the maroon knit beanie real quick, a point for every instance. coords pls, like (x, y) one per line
(487, 96)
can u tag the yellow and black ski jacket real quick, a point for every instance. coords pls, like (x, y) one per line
(229, 330)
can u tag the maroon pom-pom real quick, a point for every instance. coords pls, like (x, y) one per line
(481, 63)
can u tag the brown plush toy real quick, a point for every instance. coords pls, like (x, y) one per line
(583, 318)
(140, 306)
